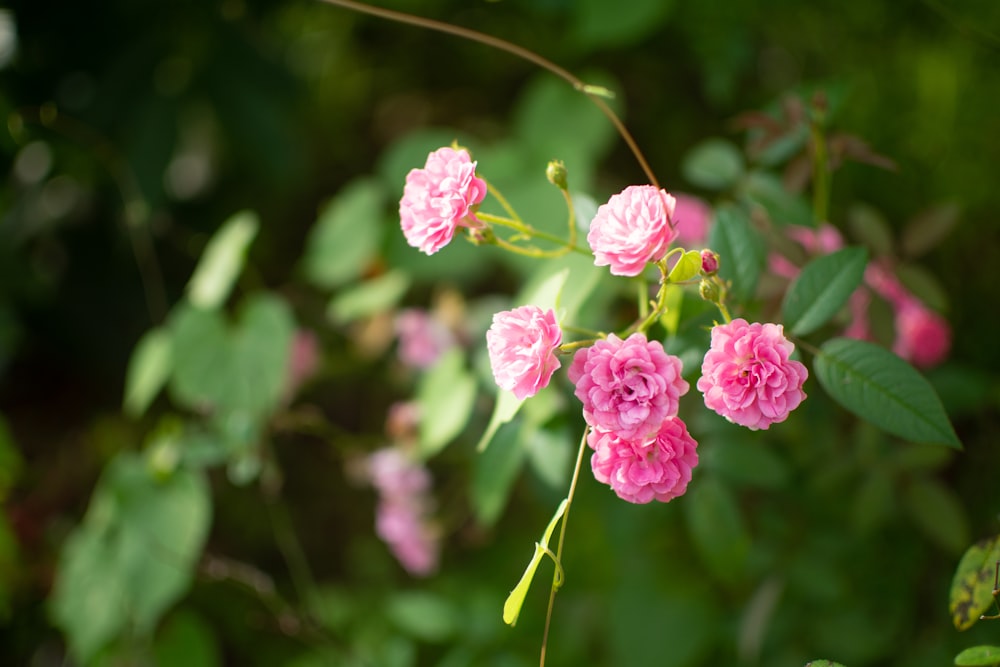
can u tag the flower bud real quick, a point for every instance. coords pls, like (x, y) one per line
(556, 173)
(709, 290)
(709, 262)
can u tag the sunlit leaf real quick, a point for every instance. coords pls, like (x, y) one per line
(504, 409)
(822, 288)
(346, 236)
(368, 298)
(740, 250)
(148, 371)
(876, 385)
(972, 586)
(715, 164)
(686, 268)
(512, 606)
(445, 398)
(979, 656)
(222, 261)
(823, 663)
(496, 469)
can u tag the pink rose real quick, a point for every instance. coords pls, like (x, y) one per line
(393, 473)
(658, 468)
(627, 387)
(922, 336)
(632, 229)
(747, 376)
(522, 345)
(440, 198)
(691, 219)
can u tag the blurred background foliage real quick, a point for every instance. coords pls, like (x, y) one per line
(134, 129)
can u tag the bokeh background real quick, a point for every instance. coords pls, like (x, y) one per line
(134, 129)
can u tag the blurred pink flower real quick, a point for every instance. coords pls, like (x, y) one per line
(922, 336)
(422, 338)
(522, 346)
(404, 505)
(627, 386)
(440, 198)
(302, 361)
(639, 471)
(884, 282)
(747, 376)
(632, 229)
(859, 327)
(692, 218)
(822, 240)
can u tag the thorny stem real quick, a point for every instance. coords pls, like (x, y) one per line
(592, 92)
(558, 575)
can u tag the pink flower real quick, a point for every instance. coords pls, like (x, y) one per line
(402, 516)
(691, 219)
(885, 283)
(522, 345)
(657, 468)
(922, 336)
(440, 198)
(632, 229)
(627, 387)
(747, 376)
(857, 304)
(422, 338)
(303, 360)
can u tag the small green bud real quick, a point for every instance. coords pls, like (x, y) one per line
(556, 173)
(709, 290)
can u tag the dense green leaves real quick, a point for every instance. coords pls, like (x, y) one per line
(716, 525)
(972, 586)
(132, 557)
(876, 385)
(822, 288)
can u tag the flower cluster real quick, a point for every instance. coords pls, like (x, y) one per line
(423, 338)
(630, 390)
(440, 198)
(401, 518)
(748, 377)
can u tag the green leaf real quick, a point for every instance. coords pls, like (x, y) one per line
(822, 289)
(782, 206)
(148, 371)
(232, 368)
(744, 460)
(929, 229)
(979, 656)
(601, 23)
(869, 226)
(716, 525)
(972, 586)
(368, 298)
(878, 386)
(222, 261)
(427, 616)
(714, 164)
(346, 237)
(495, 471)
(512, 606)
(686, 268)
(186, 639)
(823, 663)
(740, 250)
(445, 396)
(506, 406)
(133, 556)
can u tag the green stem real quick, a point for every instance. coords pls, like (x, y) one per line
(821, 173)
(593, 93)
(530, 232)
(490, 188)
(558, 575)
